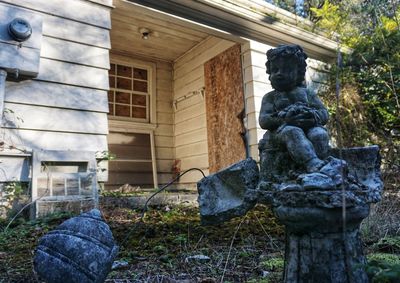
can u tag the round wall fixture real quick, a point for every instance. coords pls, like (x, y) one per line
(20, 29)
(145, 33)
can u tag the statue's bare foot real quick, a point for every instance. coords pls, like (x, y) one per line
(314, 165)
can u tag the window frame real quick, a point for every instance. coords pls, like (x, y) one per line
(150, 98)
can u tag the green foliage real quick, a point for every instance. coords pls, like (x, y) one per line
(370, 74)
(388, 244)
(14, 196)
(273, 264)
(330, 18)
(18, 243)
(105, 155)
(383, 268)
(13, 190)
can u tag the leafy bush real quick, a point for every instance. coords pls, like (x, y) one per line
(383, 268)
(369, 109)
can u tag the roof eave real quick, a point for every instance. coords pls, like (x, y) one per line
(248, 24)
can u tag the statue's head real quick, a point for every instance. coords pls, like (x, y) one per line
(286, 66)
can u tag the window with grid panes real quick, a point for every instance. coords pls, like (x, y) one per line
(129, 94)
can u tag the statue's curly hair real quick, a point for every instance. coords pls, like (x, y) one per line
(294, 51)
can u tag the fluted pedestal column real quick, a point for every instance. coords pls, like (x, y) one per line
(317, 248)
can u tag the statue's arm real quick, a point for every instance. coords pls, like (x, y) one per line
(320, 112)
(268, 118)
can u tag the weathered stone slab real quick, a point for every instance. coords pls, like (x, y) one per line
(364, 165)
(228, 193)
(81, 249)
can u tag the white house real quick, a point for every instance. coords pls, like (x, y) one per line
(163, 85)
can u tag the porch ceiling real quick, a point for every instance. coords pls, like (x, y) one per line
(168, 40)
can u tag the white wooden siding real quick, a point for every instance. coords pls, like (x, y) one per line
(57, 95)
(163, 134)
(70, 30)
(65, 107)
(256, 84)
(35, 117)
(72, 74)
(32, 139)
(73, 52)
(77, 10)
(190, 129)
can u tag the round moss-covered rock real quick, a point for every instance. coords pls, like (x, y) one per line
(81, 249)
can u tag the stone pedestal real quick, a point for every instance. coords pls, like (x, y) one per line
(319, 248)
(322, 246)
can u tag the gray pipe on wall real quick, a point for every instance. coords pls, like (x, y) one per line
(3, 76)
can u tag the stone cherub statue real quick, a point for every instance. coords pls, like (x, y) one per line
(308, 184)
(293, 115)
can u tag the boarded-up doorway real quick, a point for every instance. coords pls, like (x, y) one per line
(224, 109)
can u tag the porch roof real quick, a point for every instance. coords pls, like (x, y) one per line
(257, 21)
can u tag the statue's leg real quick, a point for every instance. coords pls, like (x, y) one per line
(269, 157)
(300, 148)
(320, 139)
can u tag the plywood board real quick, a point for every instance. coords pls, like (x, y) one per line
(224, 106)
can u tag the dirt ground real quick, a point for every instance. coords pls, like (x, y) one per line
(170, 245)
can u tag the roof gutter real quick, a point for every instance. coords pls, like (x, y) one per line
(248, 23)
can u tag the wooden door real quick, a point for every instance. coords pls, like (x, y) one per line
(225, 109)
(133, 163)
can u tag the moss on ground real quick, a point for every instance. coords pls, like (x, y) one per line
(162, 246)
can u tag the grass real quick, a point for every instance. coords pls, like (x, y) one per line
(163, 247)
